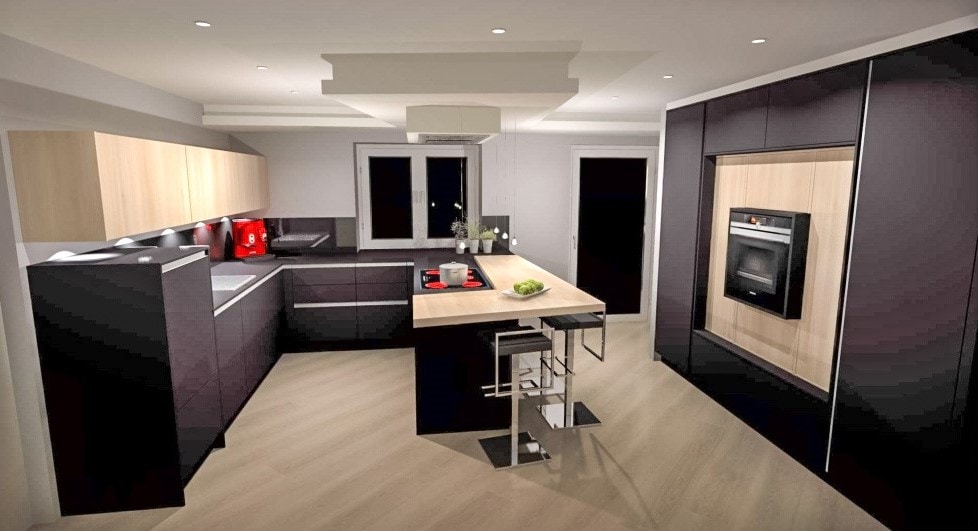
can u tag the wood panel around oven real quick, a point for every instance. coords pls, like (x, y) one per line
(814, 181)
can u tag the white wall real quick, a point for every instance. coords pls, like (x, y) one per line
(528, 177)
(24, 105)
(14, 503)
(311, 173)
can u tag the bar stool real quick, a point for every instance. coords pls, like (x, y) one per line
(518, 448)
(568, 413)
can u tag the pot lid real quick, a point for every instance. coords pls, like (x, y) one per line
(454, 265)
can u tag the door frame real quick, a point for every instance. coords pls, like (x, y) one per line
(650, 154)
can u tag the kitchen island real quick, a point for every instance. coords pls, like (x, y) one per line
(452, 362)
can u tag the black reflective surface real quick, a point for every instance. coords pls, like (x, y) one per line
(390, 197)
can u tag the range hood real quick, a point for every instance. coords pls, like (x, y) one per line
(443, 124)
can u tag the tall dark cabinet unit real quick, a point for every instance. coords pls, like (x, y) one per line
(736, 122)
(908, 335)
(129, 368)
(677, 240)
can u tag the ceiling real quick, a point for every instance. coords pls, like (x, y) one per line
(616, 51)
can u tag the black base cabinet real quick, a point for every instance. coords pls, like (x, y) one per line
(903, 372)
(128, 364)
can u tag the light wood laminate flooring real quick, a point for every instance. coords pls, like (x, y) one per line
(328, 442)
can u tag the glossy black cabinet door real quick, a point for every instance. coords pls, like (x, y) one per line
(677, 241)
(895, 449)
(736, 122)
(817, 109)
(383, 322)
(103, 352)
(233, 361)
(189, 328)
(199, 424)
(311, 325)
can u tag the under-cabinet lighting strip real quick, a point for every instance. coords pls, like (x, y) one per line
(845, 294)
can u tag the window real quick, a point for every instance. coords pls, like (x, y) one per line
(409, 195)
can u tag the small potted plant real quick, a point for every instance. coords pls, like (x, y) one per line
(459, 230)
(473, 229)
(487, 238)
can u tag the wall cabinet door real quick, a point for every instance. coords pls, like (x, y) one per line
(736, 122)
(817, 109)
(210, 183)
(677, 244)
(897, 425)
(88, 186)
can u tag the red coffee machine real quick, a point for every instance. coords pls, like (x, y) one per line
(250, 237)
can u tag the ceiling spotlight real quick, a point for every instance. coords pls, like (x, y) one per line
(758, 41)
(667, 76)
(202, 24)
(615, 98)
(261, 67)
(499, 31)
(293, 92)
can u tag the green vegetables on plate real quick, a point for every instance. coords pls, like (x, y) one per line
(528, 287)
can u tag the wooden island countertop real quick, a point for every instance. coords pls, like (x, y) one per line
(443, 309)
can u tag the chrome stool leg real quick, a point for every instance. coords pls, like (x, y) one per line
(569, 414)
(517, 448)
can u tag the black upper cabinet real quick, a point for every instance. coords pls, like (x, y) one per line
(736, 122)
(817, 109)
(896, 441)
(677, 242)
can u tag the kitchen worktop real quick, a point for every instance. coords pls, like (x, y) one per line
(420, 258)
(442, 309)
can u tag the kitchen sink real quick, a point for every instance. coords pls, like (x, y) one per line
(229, 282)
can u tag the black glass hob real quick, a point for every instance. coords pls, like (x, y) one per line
(431, 282)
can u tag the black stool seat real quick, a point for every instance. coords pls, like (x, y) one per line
(518, 344)
(577, 321)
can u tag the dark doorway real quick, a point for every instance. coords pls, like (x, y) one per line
(610, 232)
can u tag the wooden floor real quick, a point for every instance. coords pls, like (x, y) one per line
(328, 442)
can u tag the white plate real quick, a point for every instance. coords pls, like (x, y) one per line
(513, 295)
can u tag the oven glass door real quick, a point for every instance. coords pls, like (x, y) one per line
(756, 270)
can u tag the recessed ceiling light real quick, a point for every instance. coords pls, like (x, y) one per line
(202, 24)
(667, 76)
(293, 92)
(261, 67)
(614, 98)
(499, 31)
(758, 41)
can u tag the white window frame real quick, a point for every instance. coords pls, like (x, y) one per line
(419, 155)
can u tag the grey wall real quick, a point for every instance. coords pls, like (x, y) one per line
(42, 90)
(312, 174)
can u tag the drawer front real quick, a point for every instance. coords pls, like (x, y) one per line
(384, 322)
(324, 293)
(367, 274)
(382, 292)
(323, 275)
(323, 324)
(199, 423)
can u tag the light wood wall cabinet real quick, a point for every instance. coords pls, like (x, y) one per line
(89, 186)
(224, 183)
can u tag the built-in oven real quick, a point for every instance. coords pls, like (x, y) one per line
(766, 254)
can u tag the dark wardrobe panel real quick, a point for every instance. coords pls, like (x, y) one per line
(677, 241)
(915, 231)
(817, 109)
(736, 122)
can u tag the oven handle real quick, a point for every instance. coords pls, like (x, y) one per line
(764, 228)
(757, 235)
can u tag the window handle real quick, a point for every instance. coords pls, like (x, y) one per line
(574, 242)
